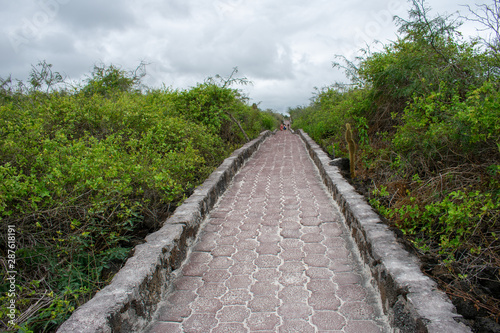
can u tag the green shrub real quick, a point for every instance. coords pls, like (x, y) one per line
(425, 109)
(86, 174)
(441, 128)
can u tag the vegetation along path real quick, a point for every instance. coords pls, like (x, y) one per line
(274, 255)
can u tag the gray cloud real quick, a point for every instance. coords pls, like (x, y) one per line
(91, 16)
(285, 47)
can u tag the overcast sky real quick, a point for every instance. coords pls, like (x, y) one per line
(285, 47)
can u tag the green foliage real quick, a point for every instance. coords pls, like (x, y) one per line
(450, 223)
(85, 174)
(441, 128)
(217, 106)
(330, 110)
(44, 77)
(106, 80)
(425, 110)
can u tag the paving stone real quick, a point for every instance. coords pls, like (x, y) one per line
(181, 297)
(272, 248)
(328, 320)
(248, 244)
(256, 198)
(213, 228)
(216, 275)
(270, 223)
(268, 238)
(291, 224)
(314, 249)
(248, 234)
(221, 213)
(327, 215)
(264, 304)
(267, 261)
(266, 274)
(341, 265)
(230, 231)
(263, 321)
(236, 297)
(220, 263)
(317, 260)
(174, 313)
(251, 227)
(230, 223)
(264, 288)
(362, 326)
(322, 286)
(166, 327)
(347, 278)
(319, 273)
(271, 257)
(223, 251)
(321, 300)
(188, 283)
(292, 279)
(292, 255)
(200, 323)
(244, 255)
(230, 328)
(212, 290)
(295, 310)
(291, 244)
(272, 215)
(235, 314)
(351, 293)
(338, 253)
(205, 245)
(332, 229)
(309, 220)
(206, 305)
(307, 229)
(227, 240)
(290, 233)
(294, 294)
(334, 242)
(357, 310)
(292, 267)
(238, 282)
(243, 268)
(288, 213)
(296, 326)
(312, 237)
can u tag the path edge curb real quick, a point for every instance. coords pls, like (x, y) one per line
(129, 301)
(410, 299)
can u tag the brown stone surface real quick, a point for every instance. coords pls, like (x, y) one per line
(277, 198)
(275, 259)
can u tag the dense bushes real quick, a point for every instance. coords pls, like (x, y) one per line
(87, 172)
(426, 111)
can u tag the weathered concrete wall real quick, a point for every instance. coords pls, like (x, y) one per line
(128, 302)
(411, 300)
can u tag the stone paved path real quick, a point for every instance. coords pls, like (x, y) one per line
(273, 256)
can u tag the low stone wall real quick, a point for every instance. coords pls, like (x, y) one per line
(129, 301)
(410, 299)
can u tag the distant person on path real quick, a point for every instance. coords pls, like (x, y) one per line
(281, 127)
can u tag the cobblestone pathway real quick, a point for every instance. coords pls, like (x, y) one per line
(273, 256)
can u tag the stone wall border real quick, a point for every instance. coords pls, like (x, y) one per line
(410, 299)
(129, 301)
